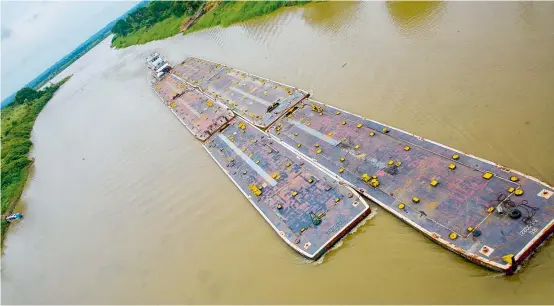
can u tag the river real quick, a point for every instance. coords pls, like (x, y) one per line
(124, 205)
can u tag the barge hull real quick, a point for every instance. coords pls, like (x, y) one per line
(462, 202)
(309, 209)
(489, 214)
(258, 100)
(201, 115)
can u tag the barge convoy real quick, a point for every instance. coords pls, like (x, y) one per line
(304, 166)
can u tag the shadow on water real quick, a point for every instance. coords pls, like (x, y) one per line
(330, 16)
(413, 16)
(326, 17)
(527, 10)
(264, 29)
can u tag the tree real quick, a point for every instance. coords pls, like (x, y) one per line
(178, 8)
(121, 27)
(25, 94)
(153, 13)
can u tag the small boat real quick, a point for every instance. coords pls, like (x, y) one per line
(14, 217)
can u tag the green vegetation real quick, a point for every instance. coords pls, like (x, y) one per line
(26, 94)
(163, 29)
(17, 122)
(230, 12)
(162, 19)
(157, 20)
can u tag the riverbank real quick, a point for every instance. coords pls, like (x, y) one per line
(17, 124)
(163, 29)
(228, 13)
(212, 14)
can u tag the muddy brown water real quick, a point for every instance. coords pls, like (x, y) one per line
(126, 207)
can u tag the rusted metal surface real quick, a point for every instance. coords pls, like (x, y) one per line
(201, 115)
(258, 100)
(307, 207)
(168, 88)
(197, 72)
(446, 194)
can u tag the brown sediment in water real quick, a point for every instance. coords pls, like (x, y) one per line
(134, 220)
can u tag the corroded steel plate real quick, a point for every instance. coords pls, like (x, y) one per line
(258, 100)
(197, 72)
(462, 202)
(201, 115)
(168, 88)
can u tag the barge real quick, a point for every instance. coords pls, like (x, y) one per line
(200, 115)
(308, 208)
(258, 100)
(491, 215)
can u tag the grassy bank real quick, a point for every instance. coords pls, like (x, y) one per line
(17, 122)
(230, 12)
(158, 21)
(163, 29)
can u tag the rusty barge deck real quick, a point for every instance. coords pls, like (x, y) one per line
(491, 215)
(306, 206)
(198, 113)
(258, 100)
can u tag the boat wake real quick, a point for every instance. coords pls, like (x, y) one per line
(339, 244)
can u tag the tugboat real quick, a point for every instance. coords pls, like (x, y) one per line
(158, 65)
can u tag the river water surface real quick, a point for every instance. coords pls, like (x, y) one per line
(126, 207)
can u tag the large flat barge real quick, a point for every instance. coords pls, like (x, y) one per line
(200, 115)
(258, 100)
(306, 206)
(489, 214)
